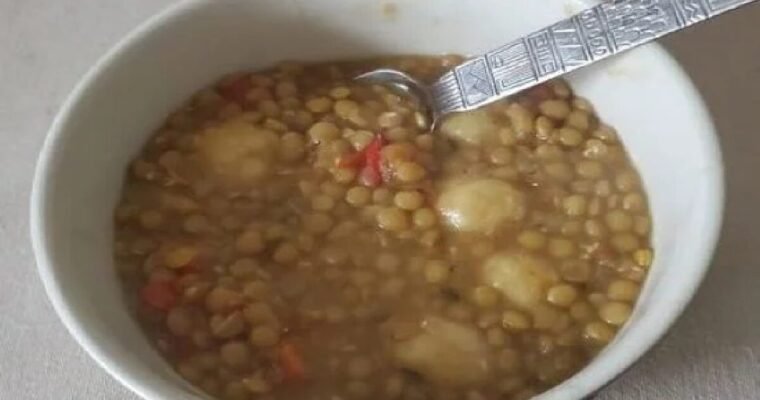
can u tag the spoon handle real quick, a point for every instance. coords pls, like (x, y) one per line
(594, 34)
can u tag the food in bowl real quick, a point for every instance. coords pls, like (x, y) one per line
(292, 234)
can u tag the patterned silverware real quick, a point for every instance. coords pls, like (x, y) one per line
(589, 36)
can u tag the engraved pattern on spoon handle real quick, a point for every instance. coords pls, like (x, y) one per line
(596, 33)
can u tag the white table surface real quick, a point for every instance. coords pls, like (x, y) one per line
(713, 352)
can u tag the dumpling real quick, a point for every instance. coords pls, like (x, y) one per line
(237, 152)
(445, 352)
(472, 127)
(522, 278)
(480, 204)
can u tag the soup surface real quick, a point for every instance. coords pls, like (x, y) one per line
(291, 234)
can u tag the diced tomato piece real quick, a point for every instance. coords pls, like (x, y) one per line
(372, 175)
(369, 160)
(161, 295)
(291, 362)
(373, 150)
(369, 176)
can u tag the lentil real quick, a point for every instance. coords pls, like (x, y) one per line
(622, 290)
(615, 312)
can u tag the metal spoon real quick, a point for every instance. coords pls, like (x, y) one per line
(594, 34)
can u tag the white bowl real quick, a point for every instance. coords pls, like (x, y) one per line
(105, 121)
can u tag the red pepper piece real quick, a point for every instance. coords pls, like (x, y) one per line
(370, 177)
(369, 160)
(291, 362)
(372, 174)
(160, 295)
(372, 152)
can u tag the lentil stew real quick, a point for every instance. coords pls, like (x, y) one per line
(291, 234)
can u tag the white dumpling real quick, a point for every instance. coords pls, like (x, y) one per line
(445, 352)
(522, 278)
(237, 152)
(480, 205)
(472, 127)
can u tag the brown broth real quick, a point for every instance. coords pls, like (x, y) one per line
(291, 234)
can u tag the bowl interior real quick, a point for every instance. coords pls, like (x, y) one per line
(103, 125)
